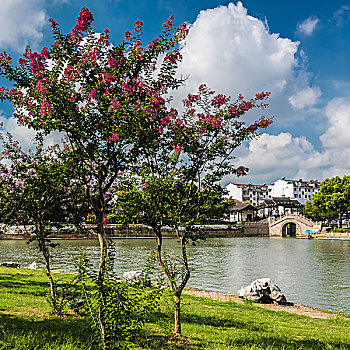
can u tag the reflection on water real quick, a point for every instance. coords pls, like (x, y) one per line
(308, 271)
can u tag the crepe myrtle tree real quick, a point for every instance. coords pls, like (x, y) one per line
(110, 100)
(37, 190)
(178, 185)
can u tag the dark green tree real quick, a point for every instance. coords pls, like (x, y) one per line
(332, 201)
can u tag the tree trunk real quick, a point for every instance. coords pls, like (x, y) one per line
(103, 245)
(44, 249)
(177, 313)
(101, 273)
(159, 257)
(340, 221)
(178, 293)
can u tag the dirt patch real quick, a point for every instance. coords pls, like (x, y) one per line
(299, 309)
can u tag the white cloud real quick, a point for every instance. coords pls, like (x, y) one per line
(308, 26)
(21, 21)
(336, 138)
(24, 135)
(234, 53)
(270, 157)
(305, 98)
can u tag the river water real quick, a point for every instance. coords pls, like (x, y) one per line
(312, 272)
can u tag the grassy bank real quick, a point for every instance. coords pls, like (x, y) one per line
(26, 323)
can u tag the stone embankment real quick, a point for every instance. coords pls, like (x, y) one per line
(248, 229)
(332, 235)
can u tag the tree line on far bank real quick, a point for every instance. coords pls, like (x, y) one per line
(331, 202)
(123, 139)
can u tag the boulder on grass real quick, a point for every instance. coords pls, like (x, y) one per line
(32, 266)
(263, 290)
(137, 277)
(11, 264)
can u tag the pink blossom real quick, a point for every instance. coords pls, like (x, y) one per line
(169, 23)
(105, 220)
(92, 94)
(138, 24)
(53, 23)
(263, 95)
(127, 35)
(178, 150)
(84, 20)
(182, 29)
(22, 61)
(219, 100)
(173, 56)
(241, 171)
(45, 108)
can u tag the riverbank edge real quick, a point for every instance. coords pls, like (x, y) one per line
(8, 237)
(326, 237)
(227, 234)
(293, 308)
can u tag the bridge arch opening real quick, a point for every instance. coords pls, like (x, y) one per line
(289, 229)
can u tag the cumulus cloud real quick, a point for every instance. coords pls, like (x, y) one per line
(337, 135)
(305, 98)
(272, 156)
(308, 26)
(234, 52)
(24, 135)
(21, 21)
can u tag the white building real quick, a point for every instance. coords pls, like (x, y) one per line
(300, 190)
(248, 192)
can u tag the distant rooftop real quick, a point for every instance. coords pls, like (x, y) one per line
(279, 202)
(303, 181)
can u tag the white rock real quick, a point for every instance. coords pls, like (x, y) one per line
(263, 290)
(32, 266)
(137, 277)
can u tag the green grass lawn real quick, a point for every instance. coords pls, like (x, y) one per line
(26, 323)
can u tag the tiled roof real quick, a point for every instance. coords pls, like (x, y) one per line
(244, 206)
(279, 201)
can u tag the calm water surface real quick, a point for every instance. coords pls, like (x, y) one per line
(308, 271)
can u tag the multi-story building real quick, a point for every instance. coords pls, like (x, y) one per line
(300, 190)
(248, 192)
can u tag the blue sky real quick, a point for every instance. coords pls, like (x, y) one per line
(298, 50)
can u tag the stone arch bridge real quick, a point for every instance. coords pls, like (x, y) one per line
(292, 225)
